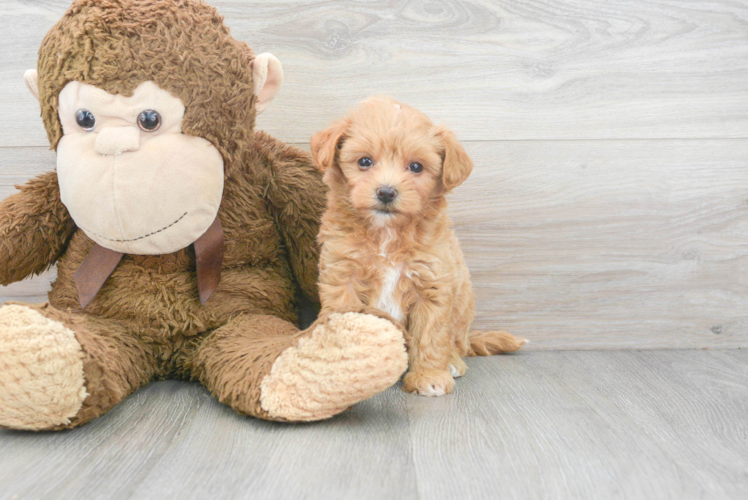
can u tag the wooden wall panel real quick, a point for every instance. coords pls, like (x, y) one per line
(564, 69)
(609, 244)
(608, 205)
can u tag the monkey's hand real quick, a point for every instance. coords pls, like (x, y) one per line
(35, 228)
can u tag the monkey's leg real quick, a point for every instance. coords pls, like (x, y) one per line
(265, 367)
(59, 370)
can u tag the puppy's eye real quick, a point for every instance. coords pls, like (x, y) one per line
(85, 119)
(415, 167)
(365, 162)
(149, 120)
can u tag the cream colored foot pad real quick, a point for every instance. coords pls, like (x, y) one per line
(41, 370)
(350, 358)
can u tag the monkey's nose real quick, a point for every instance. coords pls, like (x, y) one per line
(386, 194)
(116, 140)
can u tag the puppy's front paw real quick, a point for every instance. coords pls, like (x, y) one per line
(429, 383)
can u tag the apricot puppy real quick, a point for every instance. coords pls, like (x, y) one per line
(386, 237)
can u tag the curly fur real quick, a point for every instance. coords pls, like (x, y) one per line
(147, 321)
(403, 256)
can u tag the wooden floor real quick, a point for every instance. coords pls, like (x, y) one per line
(569, 425)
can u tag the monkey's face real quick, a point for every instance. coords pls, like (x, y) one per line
(131, 180)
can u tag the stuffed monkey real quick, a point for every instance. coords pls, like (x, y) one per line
(180, 234)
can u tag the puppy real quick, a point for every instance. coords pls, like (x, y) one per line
(386, 238)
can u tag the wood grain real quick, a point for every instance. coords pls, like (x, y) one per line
(107, 458)
(491, 69)
(609, 244)
(173, 440)
(363, 453)
(527, 434)
(586, 425)
(693, 407)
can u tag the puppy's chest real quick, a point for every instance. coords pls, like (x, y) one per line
(391, 292)
(397, 289)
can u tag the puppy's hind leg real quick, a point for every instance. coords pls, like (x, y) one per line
(457, 366)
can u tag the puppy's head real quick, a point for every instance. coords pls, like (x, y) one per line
(389, 161)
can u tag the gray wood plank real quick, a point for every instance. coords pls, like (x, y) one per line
(104, 459)
(19, 164)
(734, 358)
(585, 425)
(609, 244)
(491, 69)
(363, 453)
(32, 290)
(631, 425)
(695, 407)
(173, 440)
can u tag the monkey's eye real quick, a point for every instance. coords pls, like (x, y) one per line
(149, 120)
(415, 167)
(365, 162)
(85, 119)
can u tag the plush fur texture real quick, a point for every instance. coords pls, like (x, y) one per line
(181, 45)
(147, 321)
(401, 256)
(44, 357)
(344, 351)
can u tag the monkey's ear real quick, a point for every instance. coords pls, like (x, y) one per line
(267, 77)
(456, 164)
(325, 144)
(31, 77)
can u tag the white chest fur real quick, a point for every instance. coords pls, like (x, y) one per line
(387, 301)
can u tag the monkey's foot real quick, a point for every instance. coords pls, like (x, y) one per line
(41, 370)
(345, 358)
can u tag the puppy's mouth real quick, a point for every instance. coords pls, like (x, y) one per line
(384, 211)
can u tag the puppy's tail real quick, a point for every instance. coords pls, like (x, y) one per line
(488, 343)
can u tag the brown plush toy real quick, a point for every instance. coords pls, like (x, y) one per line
(180, 235)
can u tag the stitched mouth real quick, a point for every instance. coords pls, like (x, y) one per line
(139, 237)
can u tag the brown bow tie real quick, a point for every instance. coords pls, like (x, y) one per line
(100, 263)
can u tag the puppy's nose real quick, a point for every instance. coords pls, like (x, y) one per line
(116, 140)
(386, 194)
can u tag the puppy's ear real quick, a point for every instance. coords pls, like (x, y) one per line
(456, 164)
(325, 144)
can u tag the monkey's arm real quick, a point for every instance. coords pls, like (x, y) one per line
(34, 229)
(297, 197)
